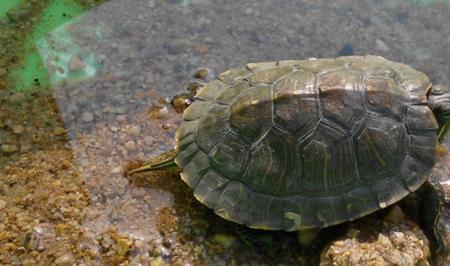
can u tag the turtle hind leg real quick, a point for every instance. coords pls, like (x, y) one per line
(431, 201)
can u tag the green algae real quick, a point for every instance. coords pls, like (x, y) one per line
(24, 24)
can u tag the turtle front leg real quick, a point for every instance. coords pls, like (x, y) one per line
(439, 102)
(431, 202)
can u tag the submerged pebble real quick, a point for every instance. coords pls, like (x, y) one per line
(8, 148)
(225, 240)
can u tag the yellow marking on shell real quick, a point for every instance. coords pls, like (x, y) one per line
(321, 218)
(374, 149)
(184, 177)
(222, 213)
(199, 198)
(325, 171)
(254, 102)
(296, 218)
(260, 227)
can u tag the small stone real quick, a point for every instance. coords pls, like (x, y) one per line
(76, 64)
(116, 170)
(158, 261)
(130, 145)
(384, 240)
(346, 50)
(59, 131)
(87, 116)
(148, 140)
(65, 259)
(202, 74)
(17, 97)
(8, 148)
(224, 240)
(381, 45)
(2, 204)
(17, 129)
(2, 71)
(134, 130)
(123, 245)
(162, 113)
(120, 110)
(200, 48)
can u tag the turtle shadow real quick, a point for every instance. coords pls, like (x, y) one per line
(191, 221)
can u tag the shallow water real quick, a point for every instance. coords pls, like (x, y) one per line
(66, 140)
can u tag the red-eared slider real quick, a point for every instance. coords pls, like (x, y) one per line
(306, 144)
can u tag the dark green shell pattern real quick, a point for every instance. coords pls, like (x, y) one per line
(299, 144)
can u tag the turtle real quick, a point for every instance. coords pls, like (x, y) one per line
(301, 145)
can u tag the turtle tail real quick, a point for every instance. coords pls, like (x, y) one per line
(164, 161)
(439, 102)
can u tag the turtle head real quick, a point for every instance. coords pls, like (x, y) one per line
(439, 102)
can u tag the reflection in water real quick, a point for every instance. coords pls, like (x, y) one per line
(128, 55)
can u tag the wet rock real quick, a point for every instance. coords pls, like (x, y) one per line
(2, 204)
(87, 116)
(148, 140)
(18, 129)
(386, 244)
(158, 261)
(8, 148)
(76, 64)
(225, 240)
(66, 259)
(130, 145)
(59, 131)
(346, 50)
(381, 45)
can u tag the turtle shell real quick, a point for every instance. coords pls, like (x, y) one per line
(303, 144)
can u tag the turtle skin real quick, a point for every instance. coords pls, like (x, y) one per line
(303, 144)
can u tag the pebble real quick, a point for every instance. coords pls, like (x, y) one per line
(59, 131)
(158, 261)
(130, 145)
(134, 130)
(163, 113)
(2, 71)
(76, 64)
(148, 140)
(224, 240)
(87, 116)
(8, 148)
(381, 45)
(116, 170)
(65, 259)
(346, 50)
(2, 204)
(17, 97)
(18, 129)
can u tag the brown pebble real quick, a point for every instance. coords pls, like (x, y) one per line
(18, 129)
(148, 140)
(441, 150)
(87, 117)
(76, 64)
(8, 148)
(2, 71)
(130, 145)
(202, 74)
(59, 131)
(200, 48)
(180, 102)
